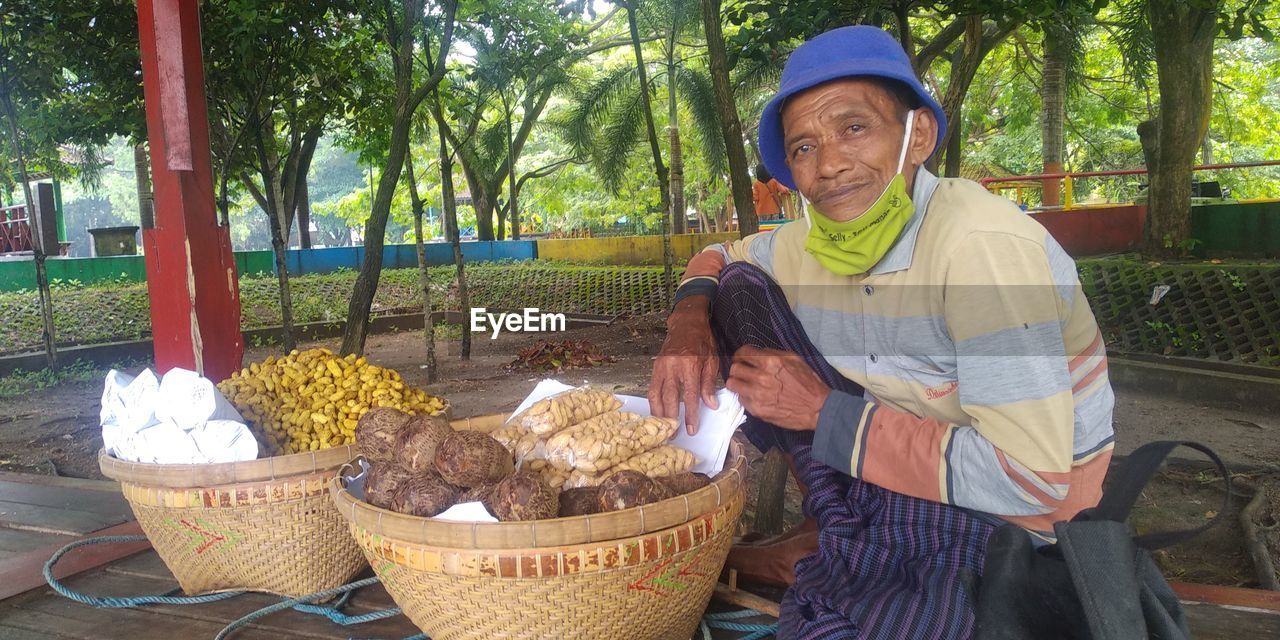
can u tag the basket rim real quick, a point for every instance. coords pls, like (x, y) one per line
(648, 548)
(190, 476)
(573, 530)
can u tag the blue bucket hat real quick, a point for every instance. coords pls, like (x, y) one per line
(840, 53)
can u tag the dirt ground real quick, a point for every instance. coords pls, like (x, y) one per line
(55, 431)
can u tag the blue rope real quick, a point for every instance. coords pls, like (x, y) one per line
(119, 603)
(333, 612)
(291, 602)
(725, 619)
(733, 615)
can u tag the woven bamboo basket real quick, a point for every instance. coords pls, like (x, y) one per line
(643, 574)
(260, 525)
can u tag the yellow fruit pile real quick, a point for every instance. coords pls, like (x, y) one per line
(310, 400)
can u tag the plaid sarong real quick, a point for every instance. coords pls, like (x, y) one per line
(888, 565)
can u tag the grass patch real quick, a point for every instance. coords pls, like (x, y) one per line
(25, 382)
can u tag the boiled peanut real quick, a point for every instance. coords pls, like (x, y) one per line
(550, 415)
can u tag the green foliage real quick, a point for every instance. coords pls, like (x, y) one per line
(21, 383)
(580, 158)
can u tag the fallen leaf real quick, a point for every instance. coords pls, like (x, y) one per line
(1209, 515)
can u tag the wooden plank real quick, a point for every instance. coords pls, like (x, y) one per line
(109, 486)
(64, 498)
(1233, 596)
(143, 565)
(291, 624)
(14, 515)
(746, 599)
(150, 566)
(77, 622)
(15, 633)
(24, 572)
(1213, 622)
(14, 541)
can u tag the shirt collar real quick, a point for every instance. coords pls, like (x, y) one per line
(903, 250)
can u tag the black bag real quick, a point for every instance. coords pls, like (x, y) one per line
(1099, 581)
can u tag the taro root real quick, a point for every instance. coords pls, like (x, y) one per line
(684, 482)
(579, 501)
(418, 441)
(627, 489)
(471, 458)
(376, 433)
(424, 495)
(524, 496)
(482, 493)
(381, 483)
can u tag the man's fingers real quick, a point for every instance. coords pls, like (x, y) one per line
(691, 406)
(748, 374)
(655, 390)
(668, 398)
(709, 386)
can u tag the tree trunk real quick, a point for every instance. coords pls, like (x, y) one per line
(47, 335)
(679, 219)
(407, 98)
(730, 126)
(375, 231)
(142, 180)
(501, 212)
(511, 173)
(424, 277)
(481, 203)
(1206, 149)
(304, 213)
(279, 212)
(663, 188)
(1053, 105)
(1182, 36)
(968, 57)
(679, 216)
(955, 148)
(451, 223)
(902, 16)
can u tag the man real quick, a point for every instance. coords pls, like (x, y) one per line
(769, 196)
(920, 349)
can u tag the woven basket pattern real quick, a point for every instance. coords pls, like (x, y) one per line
(652, 587)
(283, 537)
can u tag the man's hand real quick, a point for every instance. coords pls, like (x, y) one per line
(687, 366)
(777, 387)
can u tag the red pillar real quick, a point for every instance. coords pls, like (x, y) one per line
(191, 272)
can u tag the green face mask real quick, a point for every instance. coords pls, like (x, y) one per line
(853, 247)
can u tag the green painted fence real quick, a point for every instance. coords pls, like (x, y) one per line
(1245, 230)
(19, 274)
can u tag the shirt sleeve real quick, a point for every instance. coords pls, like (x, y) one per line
(703, 273)
(1014, 457)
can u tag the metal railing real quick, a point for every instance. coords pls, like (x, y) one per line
(1069, 179)
(15, 229)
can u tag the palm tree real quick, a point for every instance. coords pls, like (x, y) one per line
(1063, 57)
(608, 116)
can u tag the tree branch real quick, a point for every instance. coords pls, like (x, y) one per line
(439, 68)
(253, 189)
(939, 44)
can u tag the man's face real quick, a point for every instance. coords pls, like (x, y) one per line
(842, 141)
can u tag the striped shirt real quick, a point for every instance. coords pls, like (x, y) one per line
(984, 371)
